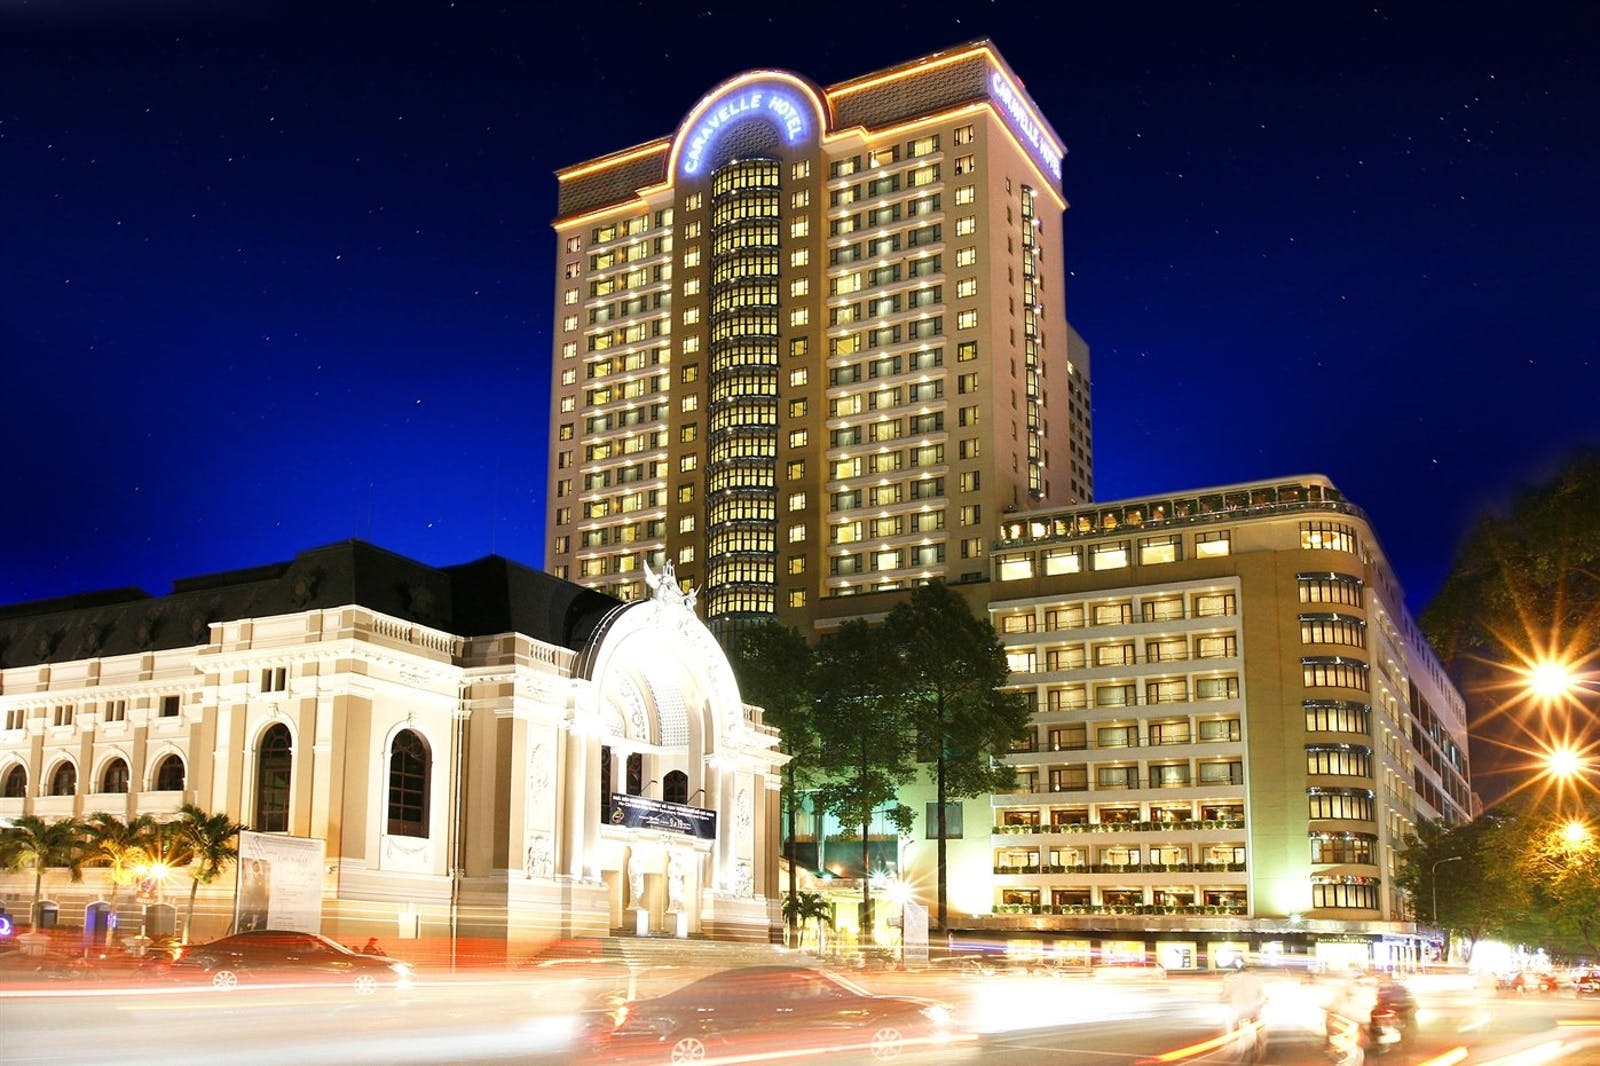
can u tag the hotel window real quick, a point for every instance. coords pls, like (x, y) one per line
(973, 549)
(799, 316)
(841, 168)
(569, 349)
(1166, 650)
(964, 135)
(971, 514)
(1212, 545)
(1115, 655)
(1112, 614)
(1330, 588)
(569, 297)
(569, 323)
(924, 145)
(800, 257)
(1332, 536)
(1167, 690)
(1333, 629)
(797, 408)
(690, 403)
(966, 226)
(966, 194)
(1220, 646)
(797, 534)
(1214, 604)
(574, 243)
(797, 597)
(688, 432)
(966, 287)
(1216, 688)
(1342, 847)
(1359, 895)
(925, 175)
(1116, 695)
(966, 257)
(1339, 760)
(800, 199)
(799, 171)
(1221, 773)
(967, 417)
(688, 463)
(966, 351)
(1109, 556)
(1337, 716)
(1349, 804)
(1218, 729)
(1163, 610)
(797, 438)
(966, 164)
(968, 448)
(1333, 671)
(1116, 777)
(1160, 549)
(800, 227)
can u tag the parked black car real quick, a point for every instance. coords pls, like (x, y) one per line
(269, 956)
(769, 1010)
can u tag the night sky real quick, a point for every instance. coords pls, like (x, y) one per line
(276, 275)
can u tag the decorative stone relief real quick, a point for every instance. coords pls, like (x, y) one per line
(743, 813)
(539, 857)
(744, 883)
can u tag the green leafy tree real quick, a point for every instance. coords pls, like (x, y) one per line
(865, 739)
(1560, 861)
(801, 908)
(31, 843)
(1463, 869)
(953, 666)
(208, 844)
(775, 665)
(1524, 587)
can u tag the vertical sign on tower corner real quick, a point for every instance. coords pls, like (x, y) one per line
(1020, 117)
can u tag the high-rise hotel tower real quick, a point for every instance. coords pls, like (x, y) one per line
(813, 342)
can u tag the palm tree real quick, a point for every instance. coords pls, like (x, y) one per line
(34, 844)
(208, 846)
(121, 846)
(804, 907)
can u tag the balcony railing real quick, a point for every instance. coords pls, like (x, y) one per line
(1124, 868)
(1121, 908)
(1123, 827)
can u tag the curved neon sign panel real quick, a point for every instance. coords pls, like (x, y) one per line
(784, 109)
(1020, 117)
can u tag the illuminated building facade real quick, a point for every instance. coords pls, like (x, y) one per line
(1236, 724)
(813, 343)
(478, 747)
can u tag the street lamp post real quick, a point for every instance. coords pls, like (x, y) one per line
(1433, 878)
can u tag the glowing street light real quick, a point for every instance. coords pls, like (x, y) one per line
(1551, 679)
(1574, 833)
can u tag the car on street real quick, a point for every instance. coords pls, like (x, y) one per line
(1586, 982)
(770, 1011)
(268, 956)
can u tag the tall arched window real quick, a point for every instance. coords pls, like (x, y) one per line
(675, 787)
(635, 775)
(16, 783)
(169, 775)
(114, 778)
(408, 785)
(64, 782)
(273, 766)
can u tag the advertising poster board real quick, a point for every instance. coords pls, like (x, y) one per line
(280, 883)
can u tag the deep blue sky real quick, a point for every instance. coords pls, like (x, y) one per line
(274, 275)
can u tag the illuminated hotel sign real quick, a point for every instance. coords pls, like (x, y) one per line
(780, 107)
(1020, 117)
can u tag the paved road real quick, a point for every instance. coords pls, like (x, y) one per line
(1014, 1020)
